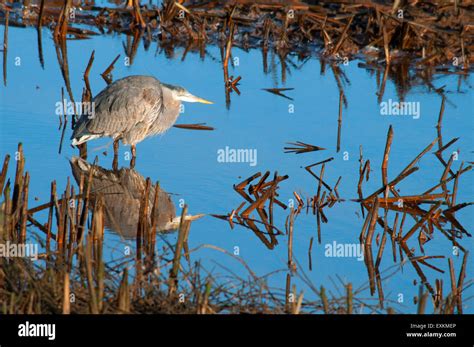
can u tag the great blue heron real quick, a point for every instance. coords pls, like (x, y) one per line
(131, 109)
(122, 191)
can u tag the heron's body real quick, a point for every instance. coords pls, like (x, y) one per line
(131, 109)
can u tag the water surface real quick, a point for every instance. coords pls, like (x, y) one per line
(186, 166)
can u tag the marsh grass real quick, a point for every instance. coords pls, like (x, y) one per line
(72, 275)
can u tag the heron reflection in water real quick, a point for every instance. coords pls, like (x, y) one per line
(122, 191)
(132, 109)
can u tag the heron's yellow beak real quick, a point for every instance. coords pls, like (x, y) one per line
(188, 97)
(203, 101)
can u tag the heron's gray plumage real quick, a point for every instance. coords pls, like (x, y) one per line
(131, 109)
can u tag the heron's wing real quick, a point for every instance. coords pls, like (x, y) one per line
(123, 105)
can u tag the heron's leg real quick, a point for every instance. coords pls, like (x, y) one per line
(134, 155)
(115, 162)
(116, 147)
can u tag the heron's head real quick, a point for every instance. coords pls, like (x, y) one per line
(181, 94)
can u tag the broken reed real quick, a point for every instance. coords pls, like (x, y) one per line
(261, 198)
(441, 205)
(334, 26)
(332, 29)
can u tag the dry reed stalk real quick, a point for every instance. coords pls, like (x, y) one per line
(85, 207)
(60, 29)
(7, 212)
(138, 14)
(100, 275)
(418, 157)
(339, 119)
(97, 223)
(299, 304)
(93, 304)
(143, 224)
(185, 244)
(154, 217)
(291, 264)
(413, 198)
(40, 16)
(124, 294)
(369, 262)
(193, 126)
(173, 280)
(393, 237)
(288, 292)
(336, 186)
(410, 255)
(229, 44)
(319, 163)
(362, 171)
(444, 147)
(447, 168)
(378, 280)
(373, 214)
(5, 47)
(3, 174)
(24, 208)
(298, 199)
(388, 145)
(386, 43)
(362, 236)
(71, 213)
(425, 218)
(66, 294)
(18, 186)
(278, 91)
(40, 43)
(86, 76)
(422, 297)
(301, 147)
(452, 276)
(321, 177)
(394, 182)
(324, 299)
(50, 215)
(259, 203)
(106, 74)
(62, 223)
(343, 36)
(349, 300)
(441, 113)
(381, 249)
(460, 284)
(439, 292)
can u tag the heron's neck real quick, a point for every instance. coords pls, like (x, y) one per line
(170, 102)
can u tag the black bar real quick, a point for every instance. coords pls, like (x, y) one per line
(312, 330)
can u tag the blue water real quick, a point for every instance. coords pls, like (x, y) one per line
(185, 162)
